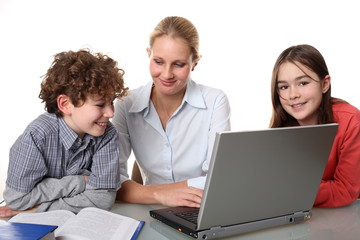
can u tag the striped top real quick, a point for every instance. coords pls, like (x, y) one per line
(48, 148)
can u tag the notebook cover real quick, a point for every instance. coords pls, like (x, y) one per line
(138, 229)
(13, 230)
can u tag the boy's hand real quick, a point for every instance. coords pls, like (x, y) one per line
(86, 178)
(6, 212)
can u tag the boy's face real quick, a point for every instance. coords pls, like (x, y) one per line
(90, 118)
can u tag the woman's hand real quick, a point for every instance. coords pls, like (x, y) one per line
(185, 196)
(171, 194)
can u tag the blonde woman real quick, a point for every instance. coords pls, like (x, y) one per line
(170, 123)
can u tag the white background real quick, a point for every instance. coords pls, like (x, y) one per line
(239, 42)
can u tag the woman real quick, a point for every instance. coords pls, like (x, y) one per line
(301, 95)
(170, 123)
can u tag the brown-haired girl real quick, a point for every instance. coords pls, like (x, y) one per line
(301, 95)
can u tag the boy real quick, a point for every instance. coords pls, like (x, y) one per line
(67, 158)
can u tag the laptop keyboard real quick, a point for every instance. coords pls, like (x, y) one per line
(190, 216)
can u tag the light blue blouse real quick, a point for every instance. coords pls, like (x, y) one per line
(183, 150)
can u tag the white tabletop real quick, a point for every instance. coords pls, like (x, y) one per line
(326, 224)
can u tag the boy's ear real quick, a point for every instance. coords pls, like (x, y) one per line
(64, 104)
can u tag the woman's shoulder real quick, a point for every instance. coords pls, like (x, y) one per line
(209, 90)
(135, 101)
(142, 91)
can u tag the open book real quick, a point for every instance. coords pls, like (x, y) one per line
(90, 223)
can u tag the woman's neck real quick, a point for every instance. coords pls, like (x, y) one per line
(166, 105)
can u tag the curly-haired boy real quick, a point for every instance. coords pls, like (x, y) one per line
(67, 158)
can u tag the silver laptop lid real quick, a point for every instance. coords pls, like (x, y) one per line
(277, 172)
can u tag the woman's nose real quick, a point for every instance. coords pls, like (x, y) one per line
(168, 73)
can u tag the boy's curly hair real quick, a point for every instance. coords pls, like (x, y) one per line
(79, 75)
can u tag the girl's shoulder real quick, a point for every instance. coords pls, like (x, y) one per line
(345, 108)
(344, 111)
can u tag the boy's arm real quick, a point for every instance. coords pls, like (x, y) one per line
(104, 179)
(26, 186)
(49, 189)
(51, 194)
(91, 197)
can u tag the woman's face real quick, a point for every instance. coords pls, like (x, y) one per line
(300, 91)
(170, 65)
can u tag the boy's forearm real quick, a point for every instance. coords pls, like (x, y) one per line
(91, 197)
(47, 190)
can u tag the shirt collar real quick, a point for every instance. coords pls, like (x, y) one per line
(193, 96)
(142, 100)
(69, 138)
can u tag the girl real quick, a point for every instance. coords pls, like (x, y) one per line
(301, 95)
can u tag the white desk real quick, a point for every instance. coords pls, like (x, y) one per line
(326, 224)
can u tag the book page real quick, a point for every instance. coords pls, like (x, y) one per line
(97, 224)
(57, 217)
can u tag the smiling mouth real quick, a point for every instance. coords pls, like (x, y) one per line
(167, 83)
(297, 105)
(101, 123)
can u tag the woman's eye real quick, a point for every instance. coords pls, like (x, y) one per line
(179, 65)
(283, 87)
(158, 61)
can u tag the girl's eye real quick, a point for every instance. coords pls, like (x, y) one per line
(303, 83)
(283, 87)
(100, 105)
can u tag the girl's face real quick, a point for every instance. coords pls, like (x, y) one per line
(300, 91)
(170, 65)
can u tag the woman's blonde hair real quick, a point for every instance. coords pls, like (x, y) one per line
(178, 27)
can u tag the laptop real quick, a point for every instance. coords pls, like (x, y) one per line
(256, 180)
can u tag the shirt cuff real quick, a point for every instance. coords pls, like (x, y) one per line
(198, 182)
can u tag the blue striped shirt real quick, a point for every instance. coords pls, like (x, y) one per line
(48, 148)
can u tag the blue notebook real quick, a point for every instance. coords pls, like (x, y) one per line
(89, 221)
(138, 229)
(26, 231)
